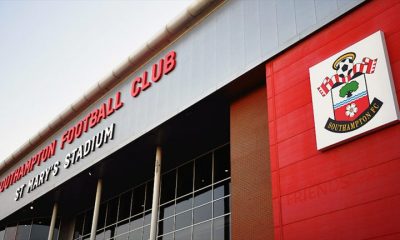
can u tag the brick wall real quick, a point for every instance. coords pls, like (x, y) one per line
(251, 175)
(351, 191)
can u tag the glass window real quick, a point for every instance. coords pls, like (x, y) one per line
(202, 231)
(40, 228)
(203, 170)
(78, 232)
(185, 179)
(122, 237)
(136, 235)
(184, 203)
(221, 207)
(10, 233)
(221, 230)
(136, 222)
(183, 220)
(112, 210)
(138, 200)
(222, 164)
(100, 234)
(167, 237)
(166, 226)
(202, 197)
(222, 189)
(124, 206)
(149, 195)
(122, 227)
(184, 234)
(23, 230)
(88, 222)
(102, 216)
(202, 213)
(2, 230)
(109, 231)
(147, 217)
(168, 186)
(167, 210)
(146, 232)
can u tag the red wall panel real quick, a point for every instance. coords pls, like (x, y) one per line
(351, 191)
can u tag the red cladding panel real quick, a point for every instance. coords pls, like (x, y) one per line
(351, 191)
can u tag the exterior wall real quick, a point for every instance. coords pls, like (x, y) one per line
(251, 179)
(351, 191)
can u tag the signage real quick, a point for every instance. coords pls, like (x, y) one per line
(353, 92)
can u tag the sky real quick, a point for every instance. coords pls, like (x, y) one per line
(52, 52)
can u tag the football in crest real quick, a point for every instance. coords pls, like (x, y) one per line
(345, 67)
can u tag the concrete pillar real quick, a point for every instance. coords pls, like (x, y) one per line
(96, 209)
(53, 221)
(156, 195)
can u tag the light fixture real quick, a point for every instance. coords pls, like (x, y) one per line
(90, 174)
(31, 207)
(226, 170)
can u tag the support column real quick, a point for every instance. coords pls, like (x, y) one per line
(53, 221)
(96, 209)
(156, 195)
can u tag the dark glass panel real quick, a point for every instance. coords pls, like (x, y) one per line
(185, 179)
(23, 230)
(112, 210)
(149, 195)
(136, 235)
(203, 170)
(221, 228)
(138, 200)
(168, 186)
(136, 222)
(40, 228)
(86, 237)
(202, 231)
(202, 197)
(222, 164)
(221, 207)
(122, 227)
(166, 226)
(183, 220)
(78, 231)
(10, 233)
(102, 216)
(167, 210)
(184, 234)
(124, 206)
(88, 222)
(202, 213)
(222, 189)
(184, 203)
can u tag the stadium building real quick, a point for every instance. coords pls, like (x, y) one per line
(261, 119)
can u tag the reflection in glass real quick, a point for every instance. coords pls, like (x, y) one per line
(166, 226)
(2, 231)
(221, 229)
(23, 230)
(202, 213)
(147, 217)
(146, 232)
(221, 207)
(202, 231)
(136, 235)
(167, 210)
(183, 220)
(122, 237)
(203, 196)
(183, 234)
(136, 222)
(167, 237)
(110, 231)
(122, 227)
(222, 189)
(40, 229)
(184, 203)
(78, 226)
(10, 233)
(100, 235)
